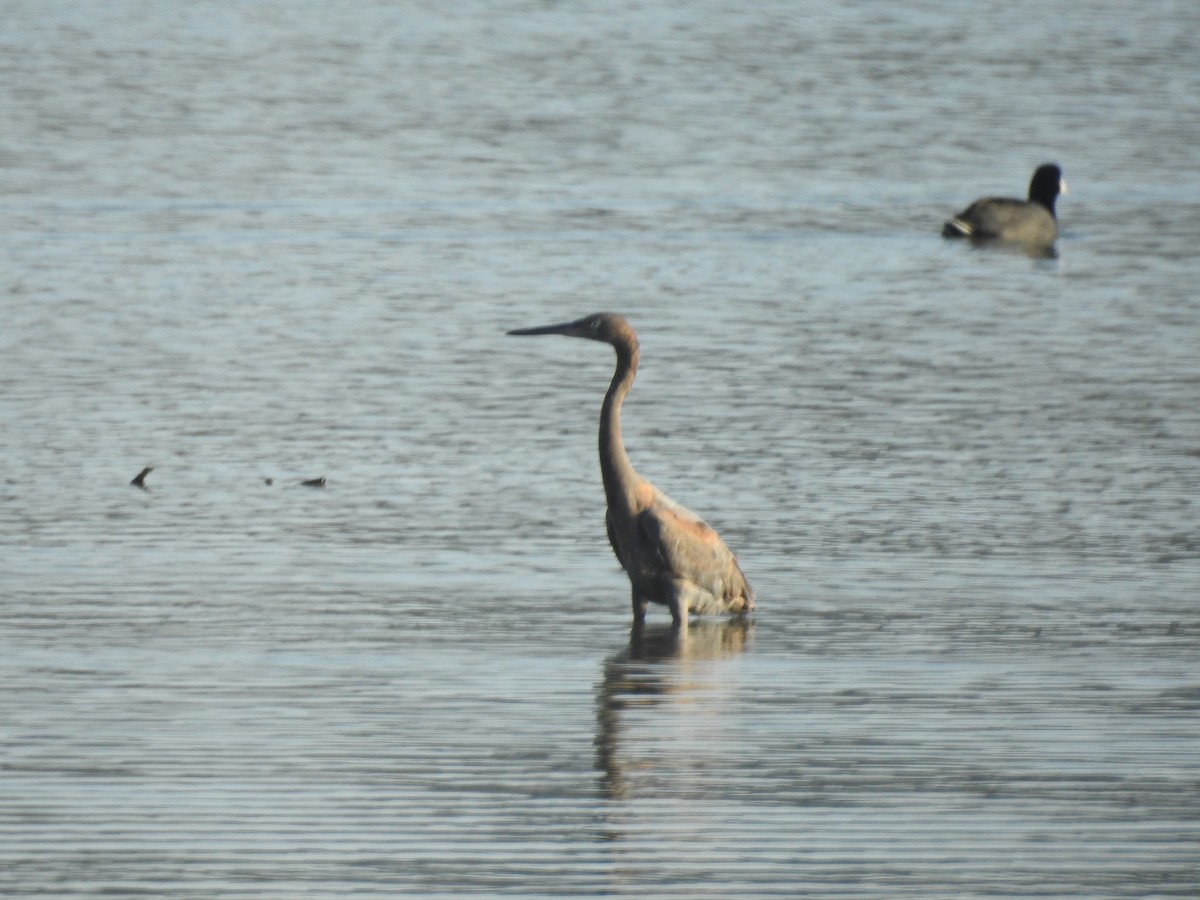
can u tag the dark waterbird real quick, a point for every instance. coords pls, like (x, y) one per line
(1029, 222)
(671, 556)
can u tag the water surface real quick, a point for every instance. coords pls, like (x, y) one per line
(252, 241)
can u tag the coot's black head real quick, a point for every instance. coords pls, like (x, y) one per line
(1046, 185)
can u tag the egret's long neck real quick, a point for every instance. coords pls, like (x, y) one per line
(619, 477)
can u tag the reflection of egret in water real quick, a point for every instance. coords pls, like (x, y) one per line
(676, 677)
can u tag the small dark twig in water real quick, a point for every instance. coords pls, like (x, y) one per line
(140, 479)
(314, 482)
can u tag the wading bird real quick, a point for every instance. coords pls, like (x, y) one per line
(1031, 222)
(671, 556)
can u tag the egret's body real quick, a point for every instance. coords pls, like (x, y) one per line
(671, 556)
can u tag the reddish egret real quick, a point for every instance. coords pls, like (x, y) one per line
(671, 556)
(1016, 221)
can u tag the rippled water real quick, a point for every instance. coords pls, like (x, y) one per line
(262, 241)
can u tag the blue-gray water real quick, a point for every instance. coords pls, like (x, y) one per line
(252, 240)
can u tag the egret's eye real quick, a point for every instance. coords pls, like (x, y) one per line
(594, 324)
